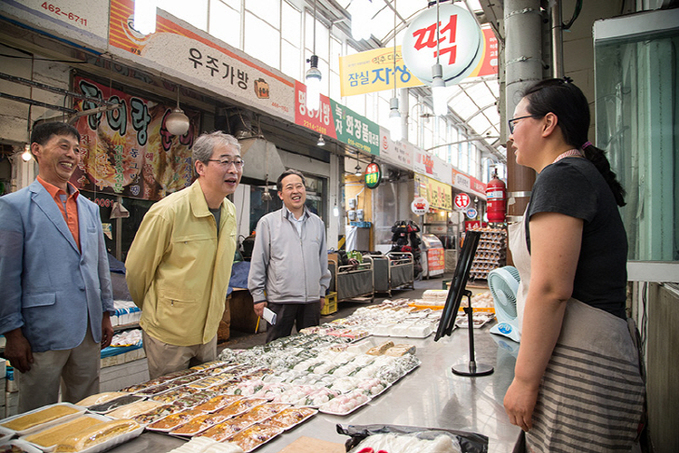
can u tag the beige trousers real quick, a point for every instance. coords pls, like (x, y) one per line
(76, 370)
(166, 358)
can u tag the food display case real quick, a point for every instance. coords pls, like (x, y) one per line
(433, 256)
(393, 271)
(351, 281)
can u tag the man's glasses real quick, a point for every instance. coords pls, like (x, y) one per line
(512, 122)
(238, 163)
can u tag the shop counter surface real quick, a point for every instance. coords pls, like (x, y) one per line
(430, 396)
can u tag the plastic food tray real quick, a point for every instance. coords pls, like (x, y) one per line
(53, 447)
(21, 444)
(80, 411)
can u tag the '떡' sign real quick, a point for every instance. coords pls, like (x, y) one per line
(456, 41)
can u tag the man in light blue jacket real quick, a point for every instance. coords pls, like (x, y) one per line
(289, 266)
(55, 296)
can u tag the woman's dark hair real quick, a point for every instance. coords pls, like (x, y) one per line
(569, 104)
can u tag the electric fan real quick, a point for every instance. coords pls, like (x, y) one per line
(504, 284)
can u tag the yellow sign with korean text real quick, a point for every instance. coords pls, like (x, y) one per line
(437, 193)
(373, 70)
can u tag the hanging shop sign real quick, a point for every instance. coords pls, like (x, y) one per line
(129, 151)
(374, 70)
(85, 23)
(466, 183)
(200, 59)
(438, 194)
(432, 166)
(472, 213)
(462, 201)
(399, 154)
(334, 120)
(373, 175)
(459, 44)
(419, 206)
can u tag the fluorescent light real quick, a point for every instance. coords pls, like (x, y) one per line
(361, 18)
(438, 91)
(145, 16)
(395, 120)
(313, 85)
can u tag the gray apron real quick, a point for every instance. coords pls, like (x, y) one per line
(591, 395)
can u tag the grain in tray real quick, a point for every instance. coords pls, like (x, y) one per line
(224, 430)
(254, 436)
(174, 420)
(40, 416)
(199, 424)
(291, 416)
(218, 402)
(52, 436)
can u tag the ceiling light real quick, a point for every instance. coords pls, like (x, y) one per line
(320, 141)
(145, 16)
(26, 155)
(177, 123)
(313, 84)
(438, 91)
(361, 18)
(395, 120)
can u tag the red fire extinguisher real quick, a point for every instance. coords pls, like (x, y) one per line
(496, 195)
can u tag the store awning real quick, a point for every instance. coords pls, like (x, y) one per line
(262, 160)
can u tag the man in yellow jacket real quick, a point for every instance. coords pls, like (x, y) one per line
(179, 264)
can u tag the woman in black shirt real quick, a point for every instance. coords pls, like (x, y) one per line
(577, 385)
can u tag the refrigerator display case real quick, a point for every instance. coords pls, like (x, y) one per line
(433, 256)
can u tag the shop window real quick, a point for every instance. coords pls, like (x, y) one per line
(636, 123)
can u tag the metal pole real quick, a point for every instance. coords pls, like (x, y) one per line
(557, 39)
(523, 66)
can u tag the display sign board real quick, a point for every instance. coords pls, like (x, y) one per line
(419, 206)
(466, 183)
(438, 194)
(472, 213)
(436, 259)
(82, 22)
(462, 201)
(337, 121)
(399, 154)
(189, 54)
(373, 70)
(129, 151)
(373, 175)
(432, 166)
(456, 40)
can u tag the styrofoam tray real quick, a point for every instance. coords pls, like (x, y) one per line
(80, 411)
(53, 447)
(21, 444)
(113, 442)
(5, 434)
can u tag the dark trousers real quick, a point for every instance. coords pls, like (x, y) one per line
(287, 315)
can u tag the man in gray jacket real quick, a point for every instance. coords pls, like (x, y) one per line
(289, 267)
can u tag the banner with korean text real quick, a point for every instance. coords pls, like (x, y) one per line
(334, 120)
(438, 195)
(198, 58)
(373, 70)
(129, 151)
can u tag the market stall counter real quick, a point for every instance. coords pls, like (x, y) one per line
(430, 396)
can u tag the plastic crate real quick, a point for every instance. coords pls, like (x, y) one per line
(330, 306)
